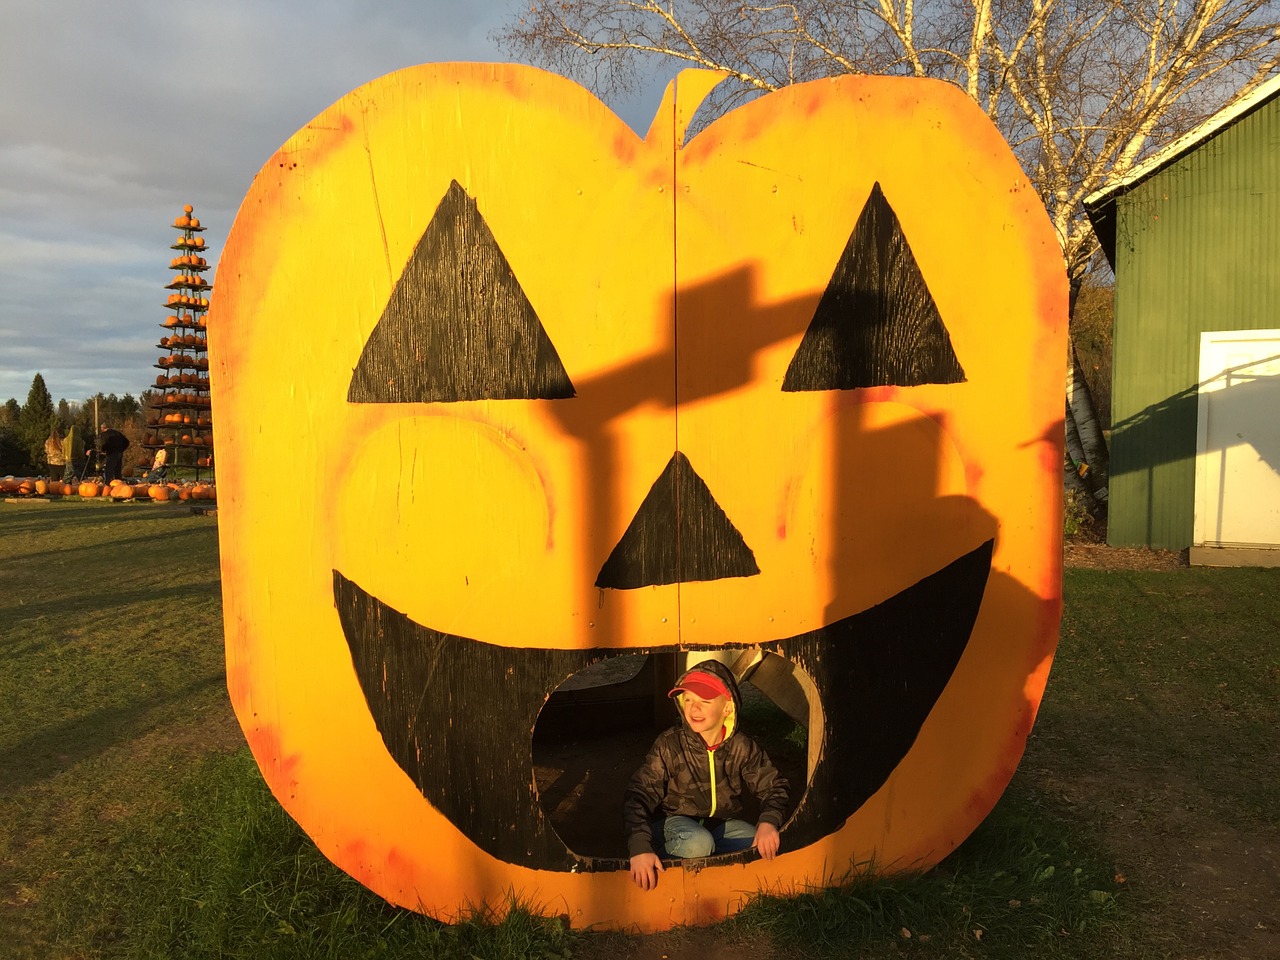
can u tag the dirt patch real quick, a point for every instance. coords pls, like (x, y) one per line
(1215, 886)
(682, 943)
(1099, 556)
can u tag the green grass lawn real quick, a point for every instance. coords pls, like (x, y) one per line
(136, 825)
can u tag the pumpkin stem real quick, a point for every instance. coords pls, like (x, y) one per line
(680, 102)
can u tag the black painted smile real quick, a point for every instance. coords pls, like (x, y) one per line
(878, 674)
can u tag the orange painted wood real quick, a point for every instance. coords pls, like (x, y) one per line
(676, 281)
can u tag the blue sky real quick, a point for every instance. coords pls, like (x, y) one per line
(115, 114)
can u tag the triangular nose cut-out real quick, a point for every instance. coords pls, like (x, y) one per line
(458, 325)
(877, 323)
(679, 534)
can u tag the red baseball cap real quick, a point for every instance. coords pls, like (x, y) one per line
(702, 684)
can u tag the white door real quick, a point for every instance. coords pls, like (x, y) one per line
(1238, 439)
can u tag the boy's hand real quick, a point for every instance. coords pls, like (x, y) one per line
(645, 868)
(767, 841)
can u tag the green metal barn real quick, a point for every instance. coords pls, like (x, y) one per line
(1193, 236)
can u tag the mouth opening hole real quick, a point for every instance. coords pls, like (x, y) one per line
(596, 728)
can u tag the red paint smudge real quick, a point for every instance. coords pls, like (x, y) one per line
(709, 911)
(702, 147)
(314, 142)
(625, 145)
(787, 493)
(278, 769)
(973, 474)
(353, 857)
(854, 398)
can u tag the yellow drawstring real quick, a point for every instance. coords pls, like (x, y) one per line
(711, 761)
(730, 721)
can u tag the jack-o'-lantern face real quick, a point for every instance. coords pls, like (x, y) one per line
(555, 393)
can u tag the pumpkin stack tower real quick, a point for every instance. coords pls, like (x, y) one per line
(181, 421)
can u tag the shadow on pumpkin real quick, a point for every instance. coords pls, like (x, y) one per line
(889, 530)
(596, 729)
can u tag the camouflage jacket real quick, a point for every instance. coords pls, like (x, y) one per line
(675, 780)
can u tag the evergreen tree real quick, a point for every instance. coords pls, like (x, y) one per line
(114, 411)
(128, 408)
(12, 457)
(33, 422)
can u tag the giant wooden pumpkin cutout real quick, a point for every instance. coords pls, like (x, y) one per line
(552, 392)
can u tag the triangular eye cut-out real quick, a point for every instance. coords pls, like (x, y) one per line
(458, 325)
(680, 534)
(876, 324)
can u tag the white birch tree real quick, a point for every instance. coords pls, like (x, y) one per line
(1083, 90)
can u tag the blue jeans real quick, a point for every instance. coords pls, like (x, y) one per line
(679, 837)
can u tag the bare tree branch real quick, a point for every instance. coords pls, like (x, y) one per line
(1082, 89)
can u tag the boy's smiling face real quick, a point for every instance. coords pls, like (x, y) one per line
(705, 717)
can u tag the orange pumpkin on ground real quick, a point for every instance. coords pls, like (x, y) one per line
(89, 488)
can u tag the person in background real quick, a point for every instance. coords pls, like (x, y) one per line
(159, 466)
(55, 457)
(74, 455)
(112, 443)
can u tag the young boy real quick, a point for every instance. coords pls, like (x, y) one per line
(683, 800)
(159, 466)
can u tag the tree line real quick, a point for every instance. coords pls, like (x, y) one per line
(25, 427)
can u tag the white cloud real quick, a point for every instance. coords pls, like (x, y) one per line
(116, 114)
